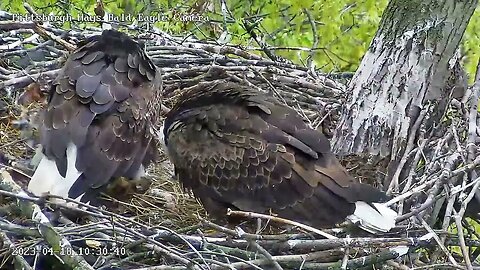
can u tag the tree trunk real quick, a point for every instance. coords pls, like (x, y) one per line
(407, 65)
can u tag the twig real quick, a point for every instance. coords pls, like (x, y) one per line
(393, 187)
(158, 246)
(245, 235)
(463, 247)
(19, 261)
(43, 32)
(458, 222)
(19, 230)
(472, 126)
(439, 242)
(345, 259)
(370, 259)
(23, 81)
(267, 255)
(315, 38)
(287, 260)
(56, 241)
(416, 159)
(18, 43)
(250, 28)
(280, 220)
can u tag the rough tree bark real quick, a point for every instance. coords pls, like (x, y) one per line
(407, 65)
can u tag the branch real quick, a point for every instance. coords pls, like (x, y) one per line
(19, 261)
(51, 236)
(315, 38)
(280, 220)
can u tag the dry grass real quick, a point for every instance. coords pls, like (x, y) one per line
(165, 204)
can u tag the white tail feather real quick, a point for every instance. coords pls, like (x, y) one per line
(378, 218)
(47, 179)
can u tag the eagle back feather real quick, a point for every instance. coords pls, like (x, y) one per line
(102, 102)
(235, 147)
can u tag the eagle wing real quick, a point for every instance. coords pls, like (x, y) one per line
(237, 148)
(101, 105)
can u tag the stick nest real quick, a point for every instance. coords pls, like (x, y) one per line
(165, 228)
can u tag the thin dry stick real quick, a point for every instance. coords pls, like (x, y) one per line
(439, 242)
(313, 25)
(51, 236)
(248, 236)
(6, 243)
(413, 191)
(231, 212)
(411, 173)
(43, 32)
(393, 187)
(472, 124)
(22, 81)
(18, 43)
(299, 258)
(103, 214)
(267, 255)
(345, 258)
(458, 222)
(461, 237)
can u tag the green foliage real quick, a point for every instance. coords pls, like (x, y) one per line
(471, 44)
(475, 227)
(344, 28)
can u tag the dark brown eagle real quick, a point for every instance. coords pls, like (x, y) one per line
(97, 124)
(237, 148)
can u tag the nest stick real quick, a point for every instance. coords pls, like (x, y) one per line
(19, 261)
(439, 242)
(280, 220)
(49, 233)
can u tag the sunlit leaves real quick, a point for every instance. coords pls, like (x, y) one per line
(471, 42)
(344, 28)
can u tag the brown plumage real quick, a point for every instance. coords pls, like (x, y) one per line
(100, 109)
(236, 148)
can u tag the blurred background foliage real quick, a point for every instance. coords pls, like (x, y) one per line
(338, 32)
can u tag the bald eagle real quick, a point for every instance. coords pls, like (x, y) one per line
(236, 148)
(97, 124)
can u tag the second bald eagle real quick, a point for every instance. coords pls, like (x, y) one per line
(96, 126)
(236, 148)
